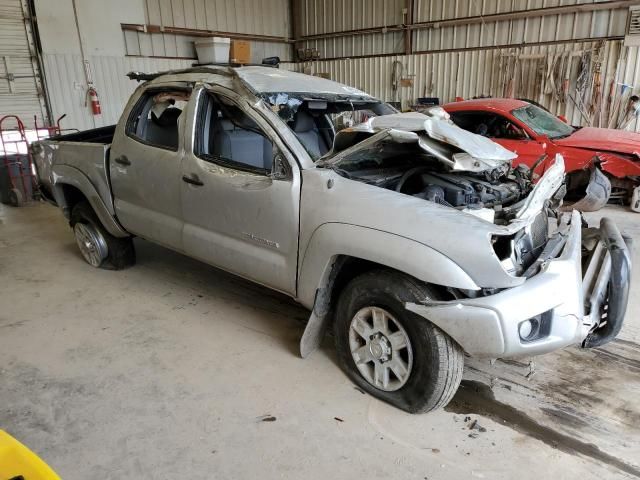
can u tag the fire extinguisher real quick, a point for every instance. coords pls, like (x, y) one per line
(95, 102)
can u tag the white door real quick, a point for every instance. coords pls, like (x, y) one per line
(21, 88)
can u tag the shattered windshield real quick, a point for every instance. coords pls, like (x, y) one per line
(542, 122)
(316, 118)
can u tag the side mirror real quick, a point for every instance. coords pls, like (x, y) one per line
(543, 140)
(280, 169)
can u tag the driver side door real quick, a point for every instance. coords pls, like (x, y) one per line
(240, 193)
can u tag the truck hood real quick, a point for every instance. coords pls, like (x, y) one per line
(603, 140)
(435, 134)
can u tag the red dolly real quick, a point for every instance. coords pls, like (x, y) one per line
(17, 177)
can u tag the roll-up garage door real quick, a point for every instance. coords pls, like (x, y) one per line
(21, 86)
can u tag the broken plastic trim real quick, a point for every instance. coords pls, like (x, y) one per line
(597, 193)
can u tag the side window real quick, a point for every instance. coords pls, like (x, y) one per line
(154, 119)
(488, 125)
(227, 135)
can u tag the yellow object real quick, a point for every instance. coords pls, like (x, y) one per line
(17, 461)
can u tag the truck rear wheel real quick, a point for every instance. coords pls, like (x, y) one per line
(395, 355)
(98, 247)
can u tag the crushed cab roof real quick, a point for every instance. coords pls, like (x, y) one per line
(269, 80)
(257, 78)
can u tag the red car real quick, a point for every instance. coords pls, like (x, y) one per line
(534, 133)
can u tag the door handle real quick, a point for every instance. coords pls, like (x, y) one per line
(193, 180)
(123, 160)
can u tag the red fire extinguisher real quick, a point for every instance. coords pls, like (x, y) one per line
(95, 102)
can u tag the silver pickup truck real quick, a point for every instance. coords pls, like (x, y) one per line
(414, 241)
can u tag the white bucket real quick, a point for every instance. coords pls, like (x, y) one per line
(213, 50)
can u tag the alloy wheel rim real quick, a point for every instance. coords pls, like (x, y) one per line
(91, 243)
(380, 348)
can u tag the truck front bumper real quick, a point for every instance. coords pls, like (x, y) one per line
(563, 306)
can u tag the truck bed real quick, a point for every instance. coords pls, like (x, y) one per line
(87, 152)
(95, 135)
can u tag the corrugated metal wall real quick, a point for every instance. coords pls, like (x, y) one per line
(266, 17)
(326, 16)
(467, 60)
(520, 31)
(480, 72)
(67, 86)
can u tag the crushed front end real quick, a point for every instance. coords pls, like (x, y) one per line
(576, 293)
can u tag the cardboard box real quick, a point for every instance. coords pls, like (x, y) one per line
(240, 51)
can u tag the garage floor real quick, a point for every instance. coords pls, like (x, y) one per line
(173, 369)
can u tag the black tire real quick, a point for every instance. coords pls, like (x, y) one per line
(120, 251)
(437, 360)
(15, 198)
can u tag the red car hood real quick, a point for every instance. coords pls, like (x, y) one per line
(603, 140)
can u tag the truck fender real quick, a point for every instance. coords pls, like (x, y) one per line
(333, 241)
(67, 175)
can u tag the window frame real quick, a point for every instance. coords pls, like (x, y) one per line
(497, 115)
(136, 112)
(203, 131)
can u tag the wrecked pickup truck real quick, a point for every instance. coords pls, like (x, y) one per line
(415, 241)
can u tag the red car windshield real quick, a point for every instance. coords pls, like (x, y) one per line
(542, 122)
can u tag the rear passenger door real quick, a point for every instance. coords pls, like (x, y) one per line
(240, 193)
(144, 165)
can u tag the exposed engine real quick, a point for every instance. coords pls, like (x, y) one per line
(489, 189)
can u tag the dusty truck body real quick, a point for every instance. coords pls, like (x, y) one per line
(415, 241)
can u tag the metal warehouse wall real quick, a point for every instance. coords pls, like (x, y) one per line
(463, 50)
(330, 16)
(578, 25)
(110, 50)
(471, 73)
(67, 94)
(264, 17)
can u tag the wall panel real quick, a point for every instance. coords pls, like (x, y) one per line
(67, 91)
(265, 17)
(327, 16)
(467, 74)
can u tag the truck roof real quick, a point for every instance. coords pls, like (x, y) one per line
(266, 80)
(261, 79)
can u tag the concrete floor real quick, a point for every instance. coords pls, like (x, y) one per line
(169, 370)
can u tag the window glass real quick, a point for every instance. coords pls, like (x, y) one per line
(488, 125)
(542, 122)
(155, 119)
(231, 137)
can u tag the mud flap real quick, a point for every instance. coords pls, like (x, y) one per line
(596, 196)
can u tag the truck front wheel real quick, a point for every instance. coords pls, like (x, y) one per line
(395, 355)
(98, 247)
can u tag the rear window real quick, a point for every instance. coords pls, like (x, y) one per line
(154, 120)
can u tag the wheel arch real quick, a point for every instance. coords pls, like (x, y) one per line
(72, 186)
(338, 253)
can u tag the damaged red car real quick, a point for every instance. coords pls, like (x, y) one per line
(602, 164)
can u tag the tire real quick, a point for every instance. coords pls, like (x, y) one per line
(432, 361)
(15, 198)
(98, 247)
